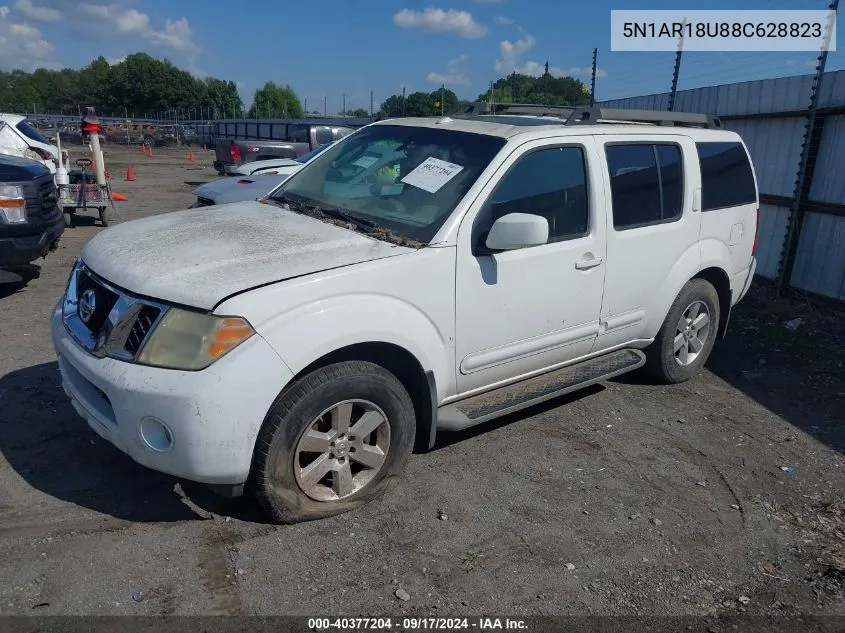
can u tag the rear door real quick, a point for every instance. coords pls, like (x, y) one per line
(652, 229)
(728, 206)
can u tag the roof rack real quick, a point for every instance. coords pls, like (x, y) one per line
(532, 109)
(586, 115)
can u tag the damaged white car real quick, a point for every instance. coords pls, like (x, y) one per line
(299, 346)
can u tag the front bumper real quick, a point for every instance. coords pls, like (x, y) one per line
(19, 251)
(213, 416)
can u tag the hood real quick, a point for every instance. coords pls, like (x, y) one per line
(226, 190)
(199, 257)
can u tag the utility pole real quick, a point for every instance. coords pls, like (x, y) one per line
(593, 80)
(305, 107)
(325, 105)
(403, 100)
(344, 104)
(796, 212)
(371, 103)
(442, 90)
(677, 70)
(490, 99)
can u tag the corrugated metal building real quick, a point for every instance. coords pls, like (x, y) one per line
(770, 115)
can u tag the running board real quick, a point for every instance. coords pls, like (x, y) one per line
(492, 404)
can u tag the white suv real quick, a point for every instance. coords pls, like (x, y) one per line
(421, 275)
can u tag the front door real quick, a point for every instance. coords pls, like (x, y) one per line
(526, 310)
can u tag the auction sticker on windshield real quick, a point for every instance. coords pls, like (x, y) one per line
(432, 174)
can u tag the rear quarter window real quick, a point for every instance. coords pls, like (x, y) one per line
(727, 179)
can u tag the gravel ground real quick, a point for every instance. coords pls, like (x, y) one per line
(626, 498)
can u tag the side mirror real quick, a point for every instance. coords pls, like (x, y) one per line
(517, 230)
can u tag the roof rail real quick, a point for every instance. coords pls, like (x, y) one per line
(532, 109)
(586, 115)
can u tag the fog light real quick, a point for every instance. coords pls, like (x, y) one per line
(155, 434)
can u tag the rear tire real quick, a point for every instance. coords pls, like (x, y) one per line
(67, 216)
(311, 463)
(687, 335)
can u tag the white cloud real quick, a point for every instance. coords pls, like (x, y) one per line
(434, 20)
(510, 54)
(112, 61)
(132, 21)
(455, 73)
(500, 19)
(25, 48)
(37, 13)
(22, 46)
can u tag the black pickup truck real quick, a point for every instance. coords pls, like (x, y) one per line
(30, 219)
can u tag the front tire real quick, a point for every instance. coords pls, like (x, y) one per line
(687, 335)
(333, 441)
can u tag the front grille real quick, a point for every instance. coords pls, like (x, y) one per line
(104, 300)
(48, 197)
(143, 323)
(120, 323)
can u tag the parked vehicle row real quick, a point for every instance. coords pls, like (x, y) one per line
(421, 275)
(300, 139)
(255, 180)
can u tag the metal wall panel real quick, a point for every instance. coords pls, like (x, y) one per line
(829, 176)
(832, 89)
(784, 94)
(820, 259)
(775, 147)
(770, 239)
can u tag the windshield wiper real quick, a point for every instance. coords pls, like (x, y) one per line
(340, 216)
(321, 212)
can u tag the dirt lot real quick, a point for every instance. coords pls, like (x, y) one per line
(625, 499)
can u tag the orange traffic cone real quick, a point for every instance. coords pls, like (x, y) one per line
(130, 174)
(150, 152)
(191, 156)
(119, 197)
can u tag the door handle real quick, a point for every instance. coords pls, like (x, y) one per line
(586, 264)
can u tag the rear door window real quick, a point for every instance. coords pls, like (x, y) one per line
(646, 183)
(727, 179)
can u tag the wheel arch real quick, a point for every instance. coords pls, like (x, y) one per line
(719, 279)
(421, 384)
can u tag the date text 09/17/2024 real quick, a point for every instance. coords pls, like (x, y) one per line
(417, 624)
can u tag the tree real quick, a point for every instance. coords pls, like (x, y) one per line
(419, 104)
(275, 101)
(140, 84)
(546, 89)
(359, 112)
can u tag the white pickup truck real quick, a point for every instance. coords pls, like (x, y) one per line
(298, 346)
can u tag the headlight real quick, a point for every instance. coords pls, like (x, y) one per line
(192, 340)
(12, 204)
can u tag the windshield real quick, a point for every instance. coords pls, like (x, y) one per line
(31, 132)
(306, 157)
(403, 178)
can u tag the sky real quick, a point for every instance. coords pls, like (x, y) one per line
(326, 49)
